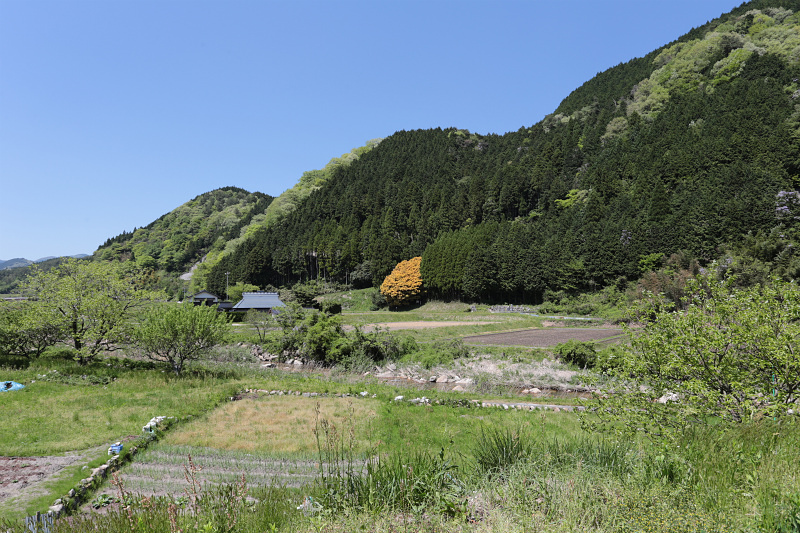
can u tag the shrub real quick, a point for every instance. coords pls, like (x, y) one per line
(730, 355)
(440, 353)
(414, 482)
(577, 353)
(609, 357)
(304, 293)
(378, 300)
(331, 307)
(178, 334)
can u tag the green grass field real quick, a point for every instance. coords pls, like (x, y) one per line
(373, 464)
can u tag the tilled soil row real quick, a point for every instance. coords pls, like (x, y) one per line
(543, 338)
(161, 474)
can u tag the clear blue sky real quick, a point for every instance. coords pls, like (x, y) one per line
(114, 112)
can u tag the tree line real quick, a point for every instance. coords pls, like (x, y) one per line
(560, 206)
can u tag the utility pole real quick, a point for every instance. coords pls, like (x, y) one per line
(226, 285)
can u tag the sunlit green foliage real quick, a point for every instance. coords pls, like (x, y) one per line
(25, 330)
(90, 302)
(186, 235)
(729, 355)
(179, 334)
(236, 290)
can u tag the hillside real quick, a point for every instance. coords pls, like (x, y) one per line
(282, 205)
(685, 150)
(15, 263)
(179, 239)
(10, 277)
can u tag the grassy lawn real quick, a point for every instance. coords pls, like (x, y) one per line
(48, 418)
(433, 467)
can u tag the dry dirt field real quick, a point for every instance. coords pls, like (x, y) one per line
(21, 478)
(542, 338)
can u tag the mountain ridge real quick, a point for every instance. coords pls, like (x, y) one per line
(688, 157)
(682, 151)
(18, 262)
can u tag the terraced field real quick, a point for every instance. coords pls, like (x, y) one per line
(268, 439)
(166, 470)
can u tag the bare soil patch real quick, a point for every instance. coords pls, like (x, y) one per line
(542, 338)
(23, 478)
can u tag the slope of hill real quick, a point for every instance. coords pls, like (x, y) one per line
(11, 277)
(685, 150)
(14, 263)
(180, 238)
(282, 205)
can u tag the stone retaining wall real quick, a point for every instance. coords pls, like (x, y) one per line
(85, 487)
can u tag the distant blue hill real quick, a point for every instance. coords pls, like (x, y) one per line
(22, 262)
(16, 262)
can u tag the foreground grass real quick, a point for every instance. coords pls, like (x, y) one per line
(543, 476)
(48, 418)
(392, 466)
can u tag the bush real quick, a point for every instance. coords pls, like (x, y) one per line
(177, 335)
(609, 357)
(304, 293)
(331, 307)
(441, 352)
(577, 353)
(413, 482)
(730, 355)
(378, 300)
(380, 345)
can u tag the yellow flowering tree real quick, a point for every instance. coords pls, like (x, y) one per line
(404, 284)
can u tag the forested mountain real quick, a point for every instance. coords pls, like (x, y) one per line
(687, 149)
(11, 277)
(281, 206)
(180, 238)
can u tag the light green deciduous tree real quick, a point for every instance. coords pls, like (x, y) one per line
(177, 335)
(90, 300)
(25, 330)
(730, 356)
(236, 290)
(262, 322)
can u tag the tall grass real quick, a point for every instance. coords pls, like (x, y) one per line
(409, 482)
(496, 450)
(225, 509)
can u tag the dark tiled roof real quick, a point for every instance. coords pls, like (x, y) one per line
(259, 300)
(204, 295)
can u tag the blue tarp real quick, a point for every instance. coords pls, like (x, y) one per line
(10, 385)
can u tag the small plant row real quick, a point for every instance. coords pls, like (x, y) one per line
(471, 404)
(362, 394)
(446, 402)
(70, 502)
